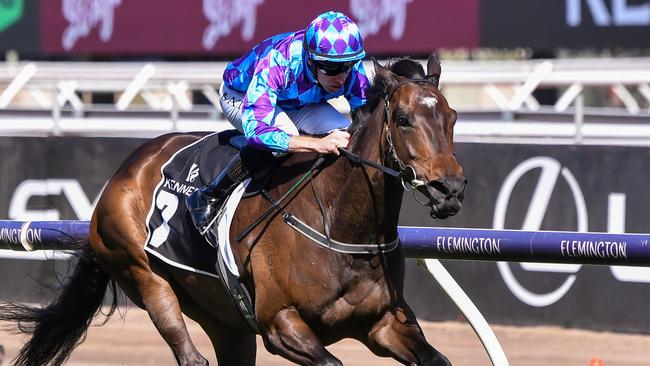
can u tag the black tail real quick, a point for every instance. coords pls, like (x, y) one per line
(59, 327)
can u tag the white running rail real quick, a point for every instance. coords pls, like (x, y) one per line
(149, 98)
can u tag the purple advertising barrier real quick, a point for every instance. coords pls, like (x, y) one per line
(526, 246)
(417, 242)
(43, 235)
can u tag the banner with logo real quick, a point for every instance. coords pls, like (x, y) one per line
(51, 179)
(231, 27)
(532, 187)
(548, 25)
(539, 187)
(227, 28)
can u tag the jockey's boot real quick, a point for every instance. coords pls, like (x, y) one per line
(205, 203)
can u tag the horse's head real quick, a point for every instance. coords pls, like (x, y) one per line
(419, 130)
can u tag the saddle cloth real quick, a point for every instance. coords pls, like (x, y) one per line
(172, 236)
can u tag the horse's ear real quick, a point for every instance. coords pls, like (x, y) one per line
(434, 70)
(384, 74)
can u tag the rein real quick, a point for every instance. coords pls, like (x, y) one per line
(359, 160)
(275, 206)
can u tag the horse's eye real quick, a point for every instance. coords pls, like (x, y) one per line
(403, 121)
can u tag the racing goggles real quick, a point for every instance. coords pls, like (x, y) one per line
(330, 68)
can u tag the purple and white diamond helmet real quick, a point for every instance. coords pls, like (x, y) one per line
(332, 36)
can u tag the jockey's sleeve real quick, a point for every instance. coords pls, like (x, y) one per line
(356, 92)
(259, 106)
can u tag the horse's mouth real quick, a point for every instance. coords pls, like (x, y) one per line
(441, 206)
(444, 196)
(443, 210)
(434, 212)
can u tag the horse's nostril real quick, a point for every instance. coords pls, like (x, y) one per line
(450, 187)
(439, 185)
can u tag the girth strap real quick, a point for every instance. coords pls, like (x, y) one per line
(338, 246)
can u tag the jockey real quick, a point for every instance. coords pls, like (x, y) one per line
(279, 88)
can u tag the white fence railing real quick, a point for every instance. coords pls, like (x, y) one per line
(153, 97)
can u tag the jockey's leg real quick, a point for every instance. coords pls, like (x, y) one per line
(398, 335)
(205, 202)
(290, 337)
(318, 119)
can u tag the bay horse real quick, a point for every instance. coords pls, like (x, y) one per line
(305, 296)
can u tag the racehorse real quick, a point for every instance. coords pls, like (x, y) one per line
(305, 296)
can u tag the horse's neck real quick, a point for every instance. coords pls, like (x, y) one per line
(365, 202)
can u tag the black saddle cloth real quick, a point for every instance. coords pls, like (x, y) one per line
(171, 235)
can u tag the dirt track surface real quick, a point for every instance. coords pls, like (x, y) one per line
(134, 341)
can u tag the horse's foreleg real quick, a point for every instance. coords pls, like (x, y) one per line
(290, 337)
(232, 347)
(398, 335)
(165, 312)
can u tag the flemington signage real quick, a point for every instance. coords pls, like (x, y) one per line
(466, 245)
(18, 236)
(530, 187)
(593, 249)
(475, 246)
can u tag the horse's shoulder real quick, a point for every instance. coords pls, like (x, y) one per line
(179, 137)
(170, 142)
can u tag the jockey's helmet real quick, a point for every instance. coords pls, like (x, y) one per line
(333, 37)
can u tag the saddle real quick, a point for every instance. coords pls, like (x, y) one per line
(172, 236)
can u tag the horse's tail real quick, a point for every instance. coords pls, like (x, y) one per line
(59, 327)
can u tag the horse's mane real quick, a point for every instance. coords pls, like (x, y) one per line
(378, 89)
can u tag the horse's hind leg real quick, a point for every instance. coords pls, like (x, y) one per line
(125, 259)
(398, 335)
(165, 312)
(289, 336)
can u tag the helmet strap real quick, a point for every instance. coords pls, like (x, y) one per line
(311, 65)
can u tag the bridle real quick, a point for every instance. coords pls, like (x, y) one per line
(406, 173)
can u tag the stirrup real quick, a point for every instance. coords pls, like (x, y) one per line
(211, 223)
(202, 210)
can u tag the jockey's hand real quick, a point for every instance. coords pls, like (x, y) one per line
(330, 144)
(326, 145)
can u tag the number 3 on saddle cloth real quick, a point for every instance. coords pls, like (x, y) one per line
(172, 236)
